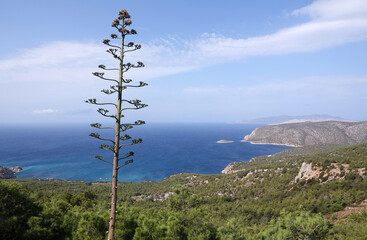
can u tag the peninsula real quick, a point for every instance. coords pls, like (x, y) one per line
(310, 133)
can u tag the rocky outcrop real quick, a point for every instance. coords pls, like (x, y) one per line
(310, 133)
(16, 169)
(195, 181)
(153, 197)
(344, 215)
(7, 173)
(229, 169)
(307, 172)
(335, 171)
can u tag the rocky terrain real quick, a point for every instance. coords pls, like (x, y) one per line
(335, 171)
(230, 168)
(291, 153)
(153, 197)
(310, 133)
(345, 214)
(6, 172)
(306, 191)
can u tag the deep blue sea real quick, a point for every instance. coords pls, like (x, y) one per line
(67, 152)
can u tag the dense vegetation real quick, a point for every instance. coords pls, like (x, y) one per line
(260, 202)
(286, 155)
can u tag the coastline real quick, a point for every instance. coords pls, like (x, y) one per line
(207, 156)
(279, 144)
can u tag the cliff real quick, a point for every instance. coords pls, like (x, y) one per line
(310, 133)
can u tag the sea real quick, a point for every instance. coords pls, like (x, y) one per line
(67, 151)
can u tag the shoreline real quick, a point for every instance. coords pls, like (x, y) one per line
(279, 144)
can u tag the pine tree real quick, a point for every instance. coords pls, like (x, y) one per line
(121, 84)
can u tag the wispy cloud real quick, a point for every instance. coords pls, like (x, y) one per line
(326, 10)
(342, 95)
(45, 111)
(332, 23)
(325, 87)
(52, 55)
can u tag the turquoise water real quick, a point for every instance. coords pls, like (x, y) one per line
(67, 152)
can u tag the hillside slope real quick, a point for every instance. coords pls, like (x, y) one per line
(255, 203)
(310, 133)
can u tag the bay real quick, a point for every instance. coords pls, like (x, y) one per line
(67, 152)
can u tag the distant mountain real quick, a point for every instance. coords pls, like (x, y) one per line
(310, 133)
(293, 119)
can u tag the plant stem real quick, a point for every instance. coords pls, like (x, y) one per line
(111, 229)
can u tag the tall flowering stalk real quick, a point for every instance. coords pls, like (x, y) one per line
(120, 84)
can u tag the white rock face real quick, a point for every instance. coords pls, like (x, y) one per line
(335, 171)
(306, 172)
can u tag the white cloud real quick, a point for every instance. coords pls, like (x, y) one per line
(69, 54)
(54, 62)
(334, 9)
(45, 111)
(332, 23)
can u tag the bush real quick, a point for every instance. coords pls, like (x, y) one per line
(16, 207)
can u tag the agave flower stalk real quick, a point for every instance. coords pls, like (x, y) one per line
(118, 51)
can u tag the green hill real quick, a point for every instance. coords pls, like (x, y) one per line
(290, 199)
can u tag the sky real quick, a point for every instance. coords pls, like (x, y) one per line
(206, 61)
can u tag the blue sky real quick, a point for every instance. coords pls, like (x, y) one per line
(206, 61)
